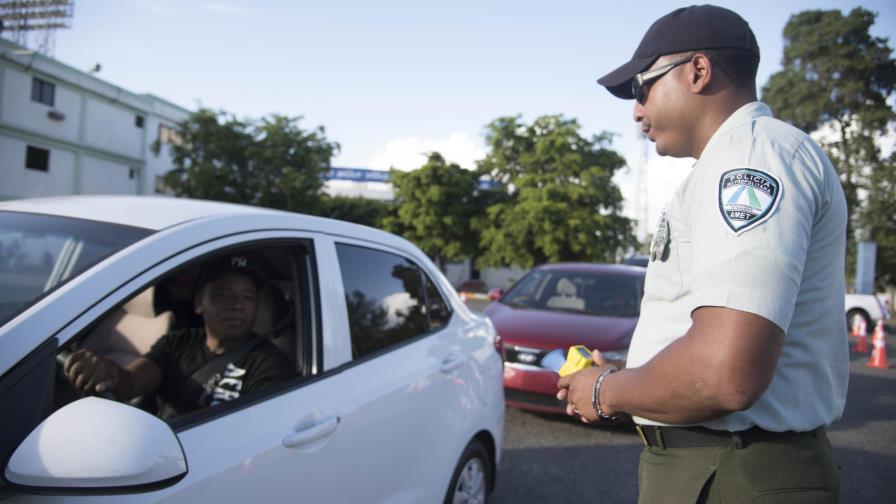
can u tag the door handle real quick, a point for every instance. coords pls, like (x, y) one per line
(451, 363)
(313, 433)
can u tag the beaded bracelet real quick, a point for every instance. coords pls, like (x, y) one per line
(595, 394)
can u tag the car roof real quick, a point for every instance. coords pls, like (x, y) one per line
(160, 212)
(150, 212)
(623, 269)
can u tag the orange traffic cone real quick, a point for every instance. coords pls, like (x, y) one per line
(879, 355)
(861, 330)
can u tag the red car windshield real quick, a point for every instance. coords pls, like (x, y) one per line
(604, 294)
(39, 253)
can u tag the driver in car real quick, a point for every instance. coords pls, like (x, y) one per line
(195, 368)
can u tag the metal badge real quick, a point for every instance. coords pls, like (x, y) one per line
(660, 239)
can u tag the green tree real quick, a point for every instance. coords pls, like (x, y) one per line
(561, 203)
(434, 208)
(369, 212)
(270, 162)
(836, 79)
(879, 216)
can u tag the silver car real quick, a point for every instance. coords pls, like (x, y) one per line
(394, 392)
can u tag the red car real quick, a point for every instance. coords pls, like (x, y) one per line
(558, 306)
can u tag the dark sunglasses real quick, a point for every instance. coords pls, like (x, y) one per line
(642, 79)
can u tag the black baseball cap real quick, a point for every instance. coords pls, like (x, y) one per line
(234, 263)
(685, 29)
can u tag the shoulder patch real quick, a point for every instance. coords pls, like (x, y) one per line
(747, 198)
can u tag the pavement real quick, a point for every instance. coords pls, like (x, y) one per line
(553, 458)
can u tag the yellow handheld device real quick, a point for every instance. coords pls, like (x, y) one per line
(577, 359)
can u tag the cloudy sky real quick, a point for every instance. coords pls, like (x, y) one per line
(391, 80)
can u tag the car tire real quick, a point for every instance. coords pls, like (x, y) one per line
(472, 478)
(856, 312)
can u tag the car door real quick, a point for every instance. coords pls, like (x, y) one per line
(378, 427)
(382, 426)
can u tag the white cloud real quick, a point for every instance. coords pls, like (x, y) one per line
(397, 306)
(222, 8)
(409, 153)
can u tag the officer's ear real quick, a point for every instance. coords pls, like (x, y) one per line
(700, 73)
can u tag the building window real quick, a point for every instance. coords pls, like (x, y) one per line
(43, 91)
(168, 135)
(138, 121)
(37, 159)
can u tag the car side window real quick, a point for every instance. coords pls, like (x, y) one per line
(386, 299)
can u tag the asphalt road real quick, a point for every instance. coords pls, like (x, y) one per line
(556, 459)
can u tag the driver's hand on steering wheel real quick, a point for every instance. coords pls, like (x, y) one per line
(89, 373)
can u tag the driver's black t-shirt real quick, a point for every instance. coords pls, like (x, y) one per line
(181, 353)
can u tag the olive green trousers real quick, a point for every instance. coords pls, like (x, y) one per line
(795, 470)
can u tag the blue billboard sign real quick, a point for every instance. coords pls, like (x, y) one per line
(365, 175)
(358, 175)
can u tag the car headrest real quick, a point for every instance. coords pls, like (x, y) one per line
(271, 311)
(566, 288)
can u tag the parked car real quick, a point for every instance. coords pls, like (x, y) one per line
(865, 307)
(637, 260)
(395, 396)
(558, 306)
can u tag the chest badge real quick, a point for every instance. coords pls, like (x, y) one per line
(660, 241)
(747, 198)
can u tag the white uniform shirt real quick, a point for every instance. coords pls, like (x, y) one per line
(759, 226)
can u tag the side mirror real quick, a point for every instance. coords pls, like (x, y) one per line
(97, 444)
(495, 294)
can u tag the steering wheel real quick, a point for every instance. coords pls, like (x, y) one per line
(63, 356)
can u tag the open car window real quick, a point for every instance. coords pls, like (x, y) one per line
(160, 323)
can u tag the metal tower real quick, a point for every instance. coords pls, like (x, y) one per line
(33, 23)
(641, 193)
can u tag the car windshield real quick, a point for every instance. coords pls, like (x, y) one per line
(39, 253)
(605, 294)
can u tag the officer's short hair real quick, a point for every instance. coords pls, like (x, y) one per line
(739, 66)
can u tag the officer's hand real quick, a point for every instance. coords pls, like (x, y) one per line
(89, 373)
(577, 388)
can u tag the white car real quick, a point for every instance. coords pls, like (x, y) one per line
(397, 390)
(865, 307)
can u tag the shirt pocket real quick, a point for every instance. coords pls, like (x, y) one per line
(666, 279)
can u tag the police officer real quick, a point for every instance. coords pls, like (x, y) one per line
(739, 360)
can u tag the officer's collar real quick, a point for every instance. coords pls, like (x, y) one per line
(748, 112)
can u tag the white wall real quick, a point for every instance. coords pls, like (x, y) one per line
(99, 176)
(19, 110)
(111, 128)
(501, 277)
(16, 180)
(458, 272)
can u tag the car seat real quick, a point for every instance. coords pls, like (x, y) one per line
(566, 297)
(130, 330)
(275, 318)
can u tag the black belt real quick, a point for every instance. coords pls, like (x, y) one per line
(704, 437)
